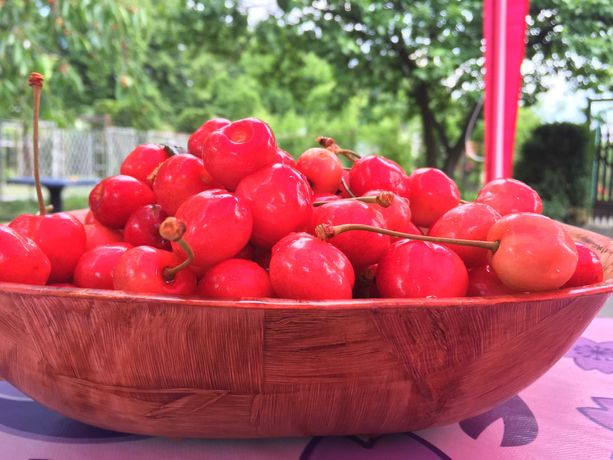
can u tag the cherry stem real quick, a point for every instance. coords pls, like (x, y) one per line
(172, 150)
(347, 189)
(172, 229)
(384, 199)
(326, 231)
(36, 82)
(330, 144)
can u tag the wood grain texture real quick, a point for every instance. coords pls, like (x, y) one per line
(185, 367)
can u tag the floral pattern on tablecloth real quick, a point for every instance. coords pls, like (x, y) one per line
(558, 417)
(589, 355)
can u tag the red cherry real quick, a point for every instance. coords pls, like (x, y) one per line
(362, 248)
(325, 197)
(141, 270)
(89, 218)
(534, 254)
(60, 236)
(508, 196)
(95, 267)
(471, 221)
(374, 172)
(97, 234)
(180, 177)
(142, 161)
(397, 215)
(195, 143)
(82, 215)
(239, 149)
(280, 199)
(143, 227)
(304, 267)
(322, 168)
(218, 225)
(21, 260)
(285, 158)
(116, 197)
(433, 193)
(482, 282)
(589, 268)
(421, 269)
(235, 279)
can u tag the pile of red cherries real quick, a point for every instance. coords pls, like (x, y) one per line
(236, 217)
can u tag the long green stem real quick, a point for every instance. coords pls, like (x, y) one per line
(169, 273)
(36, 82)
(325, 231)
(384, 199)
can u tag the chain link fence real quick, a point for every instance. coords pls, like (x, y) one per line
(72, 153)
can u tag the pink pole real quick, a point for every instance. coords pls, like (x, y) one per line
(504, 29)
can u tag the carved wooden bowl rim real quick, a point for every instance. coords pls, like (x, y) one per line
(70, 293)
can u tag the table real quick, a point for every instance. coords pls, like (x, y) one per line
(55, 186)
(566, 414)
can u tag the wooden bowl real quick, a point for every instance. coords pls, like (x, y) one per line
(196, 368)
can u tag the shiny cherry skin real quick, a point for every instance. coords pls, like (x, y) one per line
(421, 269)
(397, 215)
(285, 158)
(140, 270)
(21, 260)
(61, 237)
(508, 196)
(143, 227)
(280, 199)
(95, 267)
(589, 268)
(219, 225)
(535, 253)
(142, 161)
(306, 268)
(235, 279)
(239, 149)
(362, 248)
(97, 234)
(433, 193)
(322, 168)
(179, 178)
(483, 282)
(195, 143)
(325, 197)
(116, 197)
(470, 221)
(376, 172)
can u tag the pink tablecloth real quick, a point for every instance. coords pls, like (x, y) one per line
(567, 414)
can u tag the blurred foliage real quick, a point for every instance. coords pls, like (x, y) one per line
(371, 74)
(556, 161)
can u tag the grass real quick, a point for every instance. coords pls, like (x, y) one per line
(11, 209)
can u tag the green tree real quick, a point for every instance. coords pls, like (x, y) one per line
(427, 53)
(556, 161)
(89, 50)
